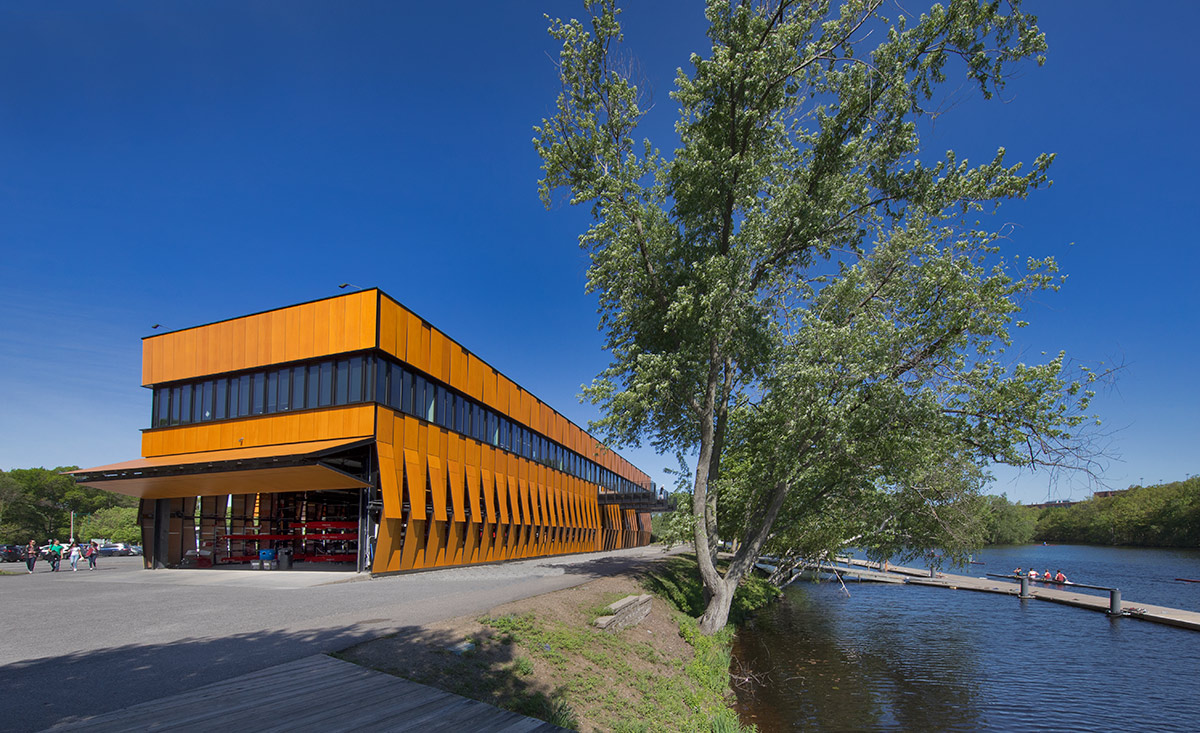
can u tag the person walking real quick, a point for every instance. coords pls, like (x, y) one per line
(91, 553)
(31, 555)
(55, 558)
(75, 554)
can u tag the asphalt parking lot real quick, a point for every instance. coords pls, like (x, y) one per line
(83, 643)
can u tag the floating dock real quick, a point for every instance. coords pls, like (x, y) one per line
(867, 570)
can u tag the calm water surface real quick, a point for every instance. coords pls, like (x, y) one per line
(913, 658)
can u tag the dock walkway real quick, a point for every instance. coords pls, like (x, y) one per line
(313, 693)
(1157, 614)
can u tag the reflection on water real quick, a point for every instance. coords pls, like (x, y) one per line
(915, 658)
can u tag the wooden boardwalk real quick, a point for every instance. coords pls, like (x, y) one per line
(1132, 609)
(314, 693)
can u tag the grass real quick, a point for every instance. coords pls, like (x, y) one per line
(677, 581)
(547, 660)
(659, 693)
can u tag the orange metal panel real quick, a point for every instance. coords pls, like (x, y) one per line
(489, 492)
(402, 318)
(475, 370)
(455, 471)
(435, 549)
(387, 547)
(454, 533)
(437, 346)
(387, 326)
(501, 394)
(514, 500)
(471, 551)
(384, 424)
(337, 324)
(437, 485)
(389, 484)
(355, 333)
(526, 504)
(502, 501)
(472, 490)
(369, 312)
(489, 386)
(290, 318)
(414, 354)
(414, 474)
(458, 368)
(321, 314)
(414, 545)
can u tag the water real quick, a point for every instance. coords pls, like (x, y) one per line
(914, 658)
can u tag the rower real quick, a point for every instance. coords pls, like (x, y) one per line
(1060, 577)
(1018, 572)
(1033, 574)
(1048, 576)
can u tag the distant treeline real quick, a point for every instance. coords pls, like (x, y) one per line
(36, 504)
(1164, 515)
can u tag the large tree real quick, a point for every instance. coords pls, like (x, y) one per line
(799, 296)
(36, 503)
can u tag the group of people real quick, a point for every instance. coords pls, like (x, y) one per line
(1033, 575)
(55, 552)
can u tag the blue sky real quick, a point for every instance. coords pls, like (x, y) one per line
(181, 163)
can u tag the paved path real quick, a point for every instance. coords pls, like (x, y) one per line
(77, 644)
(313, 693)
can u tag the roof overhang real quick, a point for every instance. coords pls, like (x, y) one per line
(262, 469)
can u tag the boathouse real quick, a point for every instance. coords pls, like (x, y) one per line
(349, 431)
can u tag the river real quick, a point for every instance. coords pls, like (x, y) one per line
(912, 658)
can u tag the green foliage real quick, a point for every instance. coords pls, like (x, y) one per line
(726, 721)
(677, 581)
(585, 659)
(117, 524)
(523, 666)
(36, 503)
(1006, 523)
(1164, 515)
(801, 295)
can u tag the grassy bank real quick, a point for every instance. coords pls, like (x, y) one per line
(543, 657)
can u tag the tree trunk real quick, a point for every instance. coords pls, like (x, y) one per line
(716, 615)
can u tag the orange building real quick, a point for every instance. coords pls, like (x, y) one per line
(350, 431)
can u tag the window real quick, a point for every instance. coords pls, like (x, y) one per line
(272, 380)
(284, 400)
(406, 391)
(325, 396)
(370, 378)
(185, 404)
(206, 402)
(341, 395)
(258, 387)
(243, 396)
(298, 387)
(162, 407)
(382, 371)
(222, 394)
(430, 402)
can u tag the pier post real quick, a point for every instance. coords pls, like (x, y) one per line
(1024, 588)
(1114, 601)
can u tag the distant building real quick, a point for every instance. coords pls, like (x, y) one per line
(1055, 503)
(348, 430)
(1102, 494)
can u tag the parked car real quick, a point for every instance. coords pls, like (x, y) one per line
(118, 548)
(135, 549)
(12, 553)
